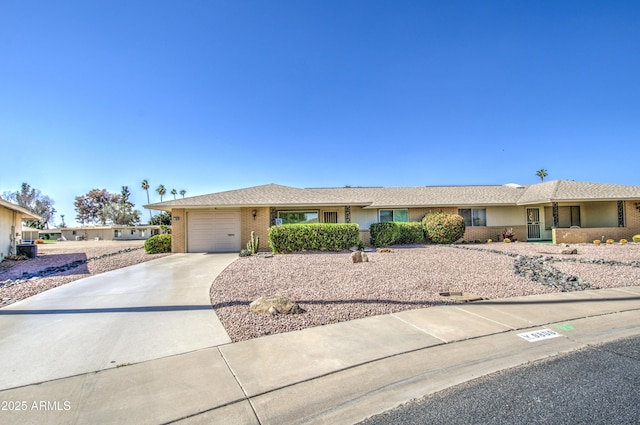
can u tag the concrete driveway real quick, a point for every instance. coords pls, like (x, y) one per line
(147, 311)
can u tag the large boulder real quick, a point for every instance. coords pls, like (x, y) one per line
(275, 304)
(359, 257)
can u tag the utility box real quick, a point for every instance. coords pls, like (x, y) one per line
(29, 250)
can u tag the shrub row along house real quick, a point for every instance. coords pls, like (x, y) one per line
(562, 211)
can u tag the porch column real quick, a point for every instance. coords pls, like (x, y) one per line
(556, 215)
(347, 214)
(620, 213)
(272, 216)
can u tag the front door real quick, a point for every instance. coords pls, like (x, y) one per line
(533, 224)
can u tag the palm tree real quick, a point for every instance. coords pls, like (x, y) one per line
(174, 193)
(182, 192)
(161, 191)
(145, 186)
(542, 173)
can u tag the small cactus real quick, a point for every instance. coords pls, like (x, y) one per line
(623, 241)
(506, 240)
(597, 242)
(636, 238)
(244, 253)
(254, 244)
(489, 240)
(610, 241)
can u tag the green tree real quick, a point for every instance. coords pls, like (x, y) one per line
(182, 192)
(122, 212)
(33, 200)
(174, 193)
(91, 208)
(161, 191)
(162, 219)
(542, 173)
(145, 186)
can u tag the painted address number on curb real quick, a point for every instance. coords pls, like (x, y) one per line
(534, 336)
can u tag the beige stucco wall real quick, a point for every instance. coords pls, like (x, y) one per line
(106, 233)
(8, 218)
(363, 217)
(599, 214)
(505, 216)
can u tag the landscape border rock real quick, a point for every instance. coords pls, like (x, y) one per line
(275, 304)
(48, 271)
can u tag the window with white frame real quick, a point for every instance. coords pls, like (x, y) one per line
(474, 217)
(117, 233)
(393, 215)
(298, 217)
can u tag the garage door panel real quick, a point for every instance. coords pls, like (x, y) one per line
(214, 231)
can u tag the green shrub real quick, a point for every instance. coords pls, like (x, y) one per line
(410, 233)
(158, 244)
(245, 253)
(443, 228)
(635, 238)
(384, 234)
(313, 237)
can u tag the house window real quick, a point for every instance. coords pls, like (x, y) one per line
(155, 232)
(474, 217)
(298, 217)
(393, 215)
(133, 231)
(330, 217)
(73, 232)
(117, 233)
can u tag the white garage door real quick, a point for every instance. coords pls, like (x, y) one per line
(213, 231)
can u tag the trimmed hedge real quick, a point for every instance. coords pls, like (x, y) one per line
(443, 228)
(384, 234)
(410, 233)
(158, 244)
(313, 237)
(396, 233)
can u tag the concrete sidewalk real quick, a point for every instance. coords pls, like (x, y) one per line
(338, 373)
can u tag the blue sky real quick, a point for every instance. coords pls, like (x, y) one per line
(216, 95)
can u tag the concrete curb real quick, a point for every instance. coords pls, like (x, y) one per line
(340, 373)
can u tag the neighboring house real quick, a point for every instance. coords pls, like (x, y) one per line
(11, 216)
(29, 234)
(109, 232)
(562, 211)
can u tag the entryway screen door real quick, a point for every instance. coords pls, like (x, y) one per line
(533, 224)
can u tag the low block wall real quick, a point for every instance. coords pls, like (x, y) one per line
(591, 234)
(494, 233)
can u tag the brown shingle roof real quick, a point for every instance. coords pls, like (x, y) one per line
(397, 197)
(568, 190)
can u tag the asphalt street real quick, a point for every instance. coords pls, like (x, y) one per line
(596, 385)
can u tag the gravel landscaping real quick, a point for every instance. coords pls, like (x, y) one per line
(63, 262)
(330, 288)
